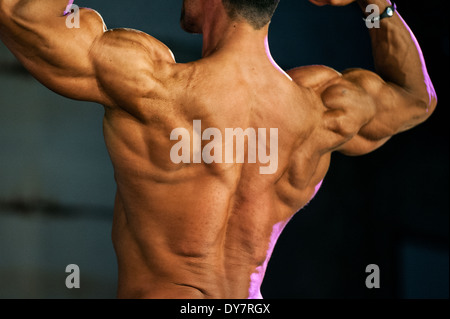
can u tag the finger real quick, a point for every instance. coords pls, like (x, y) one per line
(318, 2)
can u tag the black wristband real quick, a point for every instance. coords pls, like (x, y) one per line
(388, 13)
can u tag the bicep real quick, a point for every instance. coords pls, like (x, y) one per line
(376, 111)
(359, 110)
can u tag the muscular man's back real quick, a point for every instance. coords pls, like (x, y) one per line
(199, 229)
(192, 218)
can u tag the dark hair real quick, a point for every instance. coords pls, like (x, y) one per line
(258, 13)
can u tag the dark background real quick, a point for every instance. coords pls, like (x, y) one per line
(388, 208)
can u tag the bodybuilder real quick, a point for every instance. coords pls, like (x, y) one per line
(191, 226)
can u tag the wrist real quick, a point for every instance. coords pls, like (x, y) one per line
(5, 7)
(382, 4)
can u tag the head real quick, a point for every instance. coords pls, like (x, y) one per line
(257, 13)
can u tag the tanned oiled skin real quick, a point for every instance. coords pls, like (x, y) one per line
(208, 230)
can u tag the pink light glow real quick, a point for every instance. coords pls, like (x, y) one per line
(256, 279)
(427, 80)
(69, 7)
(318, 186)
(266, 44)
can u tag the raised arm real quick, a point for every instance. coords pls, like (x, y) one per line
(35, 31)
(87, 62)
(364, 109)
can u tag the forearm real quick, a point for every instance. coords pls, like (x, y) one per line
(6, 8)
(36, 32)
(398, 57)
(24, 24)
(32, 7)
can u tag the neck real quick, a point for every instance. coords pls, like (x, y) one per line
(240, 41)
(238, 37)
(221, 34)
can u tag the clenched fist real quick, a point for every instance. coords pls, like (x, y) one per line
(332, 2)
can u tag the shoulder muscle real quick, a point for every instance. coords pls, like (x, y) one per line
(314, 76)
(346, 107)
(125, 62)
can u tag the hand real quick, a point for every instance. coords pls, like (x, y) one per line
(332, 2)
